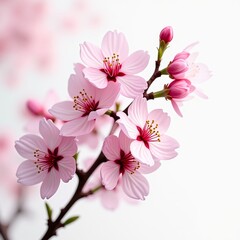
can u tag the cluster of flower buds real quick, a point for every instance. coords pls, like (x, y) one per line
(138, 140)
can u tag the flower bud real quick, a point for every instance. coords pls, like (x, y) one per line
(179, 89)
(177, 68)
(166, 34)
(34, 107)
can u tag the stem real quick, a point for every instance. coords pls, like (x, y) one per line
(3, 231)
(155, 75)
(83, 177)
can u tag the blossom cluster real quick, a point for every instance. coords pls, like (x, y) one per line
(138, 140)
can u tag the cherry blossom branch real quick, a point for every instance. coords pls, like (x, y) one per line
(18, 210)
(83, 177)
(3, 231)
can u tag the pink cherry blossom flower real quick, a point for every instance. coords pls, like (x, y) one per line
(184, 66)
(49, 158)
(111, 63)
(87, 105)
(123, 164)
(147, 130)
(178, 91)
(110, 199)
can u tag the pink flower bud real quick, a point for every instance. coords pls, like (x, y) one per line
(166, 34)
(34, 107)
(179, 89)
(176, 68)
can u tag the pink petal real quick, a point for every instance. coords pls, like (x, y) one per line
(67, 168)
(50, 184)
(29, 143)
(78, 68)
(109, 199)
(77, 127)
(135, 63)
(165, 149)
(141, 152)
(145, 169)
(27, 173)
(91, 55)
(65, 111)
(110, 175)
(135, 185)
(127, 126)
(138, 111)
(50, 133)
(67, 147)
(176, 108)
(96, 77)
(74, 84)
(95, 114)
(114, 42)
(108, 95)
(111, 148)
(124, 142)
(200, 94)
(132, 86)
(161, 118)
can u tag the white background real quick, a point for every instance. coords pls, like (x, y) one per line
(197, 194)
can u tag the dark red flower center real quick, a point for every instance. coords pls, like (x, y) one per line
(46, 161)
(112, 67)
(127, 162)
(149, 133)
(85, 103)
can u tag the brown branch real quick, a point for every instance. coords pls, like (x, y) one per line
(83, 177)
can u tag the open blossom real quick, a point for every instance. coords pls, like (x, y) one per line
(87, 104)
(110, 199)
(147, 130)
(178, 91)
(123, 164)
(184, 66)
(111, 63)
(49, 158)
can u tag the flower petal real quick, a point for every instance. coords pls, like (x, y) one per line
(96, 77)
(115, 43)
(29, 143)
(145, 169)
(127, 126)
(124, 142)
(108, 95)
(135, 63)
(165, 149)
(135, 185)
(111, 148)
(67, 168)
(110, 199)
(50, 184)
(161, 118)
(110, 175)
(138, 111)
(141, 152)
(50, 133)
(131, 85)
(65, 111)
(27, 173)
(77, 127)
(67, 147)
(91, 55)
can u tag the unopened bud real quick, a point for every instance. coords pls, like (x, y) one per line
(166, 34)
